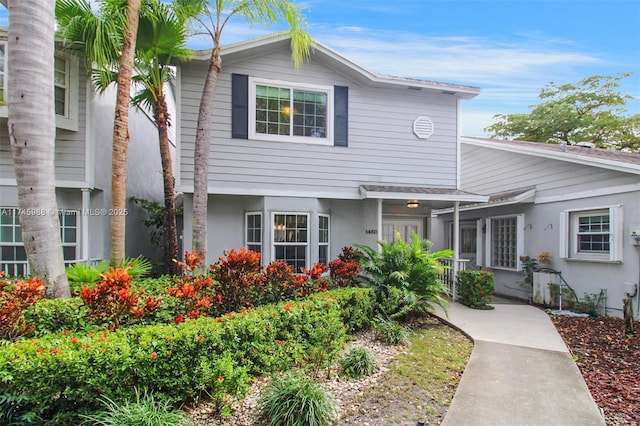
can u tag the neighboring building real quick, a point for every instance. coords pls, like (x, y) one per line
(304, 162)
(84, 128)
(580, 204)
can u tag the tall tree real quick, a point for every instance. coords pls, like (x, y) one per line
(109, 38)
(161, 39)
(31, 124)
(591, 110)
(121, 137)
(211, 18)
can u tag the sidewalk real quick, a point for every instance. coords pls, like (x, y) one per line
(520, 372)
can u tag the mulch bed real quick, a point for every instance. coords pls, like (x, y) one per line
(609, 361)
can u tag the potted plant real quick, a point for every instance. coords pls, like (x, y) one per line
(544, 257)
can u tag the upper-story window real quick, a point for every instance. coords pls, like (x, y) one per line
(3, 67)
(66, 84)
(61, 83)
(290, 112)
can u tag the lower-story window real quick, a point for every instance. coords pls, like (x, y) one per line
(505, 241)
(594, 234)
(253, 234)
(13, 254)
(323, 239)
(291, 239)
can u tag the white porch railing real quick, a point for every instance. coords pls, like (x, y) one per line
(20, 268)
(448, 276)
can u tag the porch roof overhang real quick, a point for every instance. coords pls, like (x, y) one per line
(507, 198)
(439, 195)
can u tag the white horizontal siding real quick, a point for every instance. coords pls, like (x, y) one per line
(488, 171)
(382, 147)
(70, 148)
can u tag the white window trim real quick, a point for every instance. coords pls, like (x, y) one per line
(253, 82)
(4, 81)
(273, 236)
(78, 229)
(519, 241)
(246, 229)
(328, 243)
(69, 121)
(568, 236)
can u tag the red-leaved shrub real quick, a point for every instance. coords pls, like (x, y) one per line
(194, 291)
(113, 298)
(345, 268)
(15, 298)
(239, 277)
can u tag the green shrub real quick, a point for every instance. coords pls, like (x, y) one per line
(405, 276)
(56, 315)
(58, 377)
(391, 332)
(296, 400)
(475, 288)
(358, 362)
(145, 410)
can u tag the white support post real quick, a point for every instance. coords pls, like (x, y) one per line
(84, 223)
(379, 223)
(456, 247)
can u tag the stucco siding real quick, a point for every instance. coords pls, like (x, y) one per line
(382, 147)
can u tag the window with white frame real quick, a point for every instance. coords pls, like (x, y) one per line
(291, 239)
(61, 85)
(323, 239)
(69, 233)
(592, 234)
(13, 257)
(253, 233)
(505, 241)
(13, 254)
(290, 112)
(3, 67)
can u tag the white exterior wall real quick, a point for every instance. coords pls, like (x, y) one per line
(560, 186)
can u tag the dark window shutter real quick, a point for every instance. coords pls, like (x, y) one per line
(240, 106)
(340, 115)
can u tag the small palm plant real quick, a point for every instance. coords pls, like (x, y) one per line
(405, 276)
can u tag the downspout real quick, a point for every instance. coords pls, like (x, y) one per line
(456, 247)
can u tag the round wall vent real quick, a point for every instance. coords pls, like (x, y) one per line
(423, 127)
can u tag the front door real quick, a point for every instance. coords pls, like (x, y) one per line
(468, 240)
(406, 228)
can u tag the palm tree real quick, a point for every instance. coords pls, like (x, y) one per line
(32, 135)
(161, 40)
(121, 137)
(109, 38)
(211, 17)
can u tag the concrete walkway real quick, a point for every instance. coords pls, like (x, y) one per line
(520, 372)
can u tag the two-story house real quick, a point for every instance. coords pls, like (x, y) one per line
(84, 128)
(307, 161)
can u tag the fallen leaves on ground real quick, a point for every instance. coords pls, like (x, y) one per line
(609, 361)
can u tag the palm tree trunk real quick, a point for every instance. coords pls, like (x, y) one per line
(32, 136)
(201, 154)
(121, 137)
(171, 232)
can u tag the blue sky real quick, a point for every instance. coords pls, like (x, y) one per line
(508, 48)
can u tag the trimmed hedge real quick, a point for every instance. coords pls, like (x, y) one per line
(475, 288)
(56, 378)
